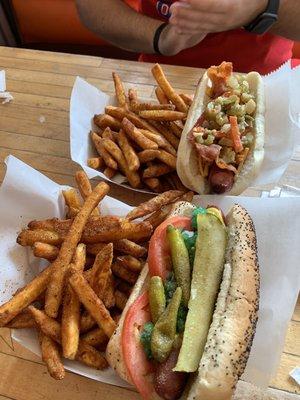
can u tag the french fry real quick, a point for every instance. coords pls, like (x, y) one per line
(160, 140)
(121, 299)
(188, 99)
(95, 338)
(72, 201)
(114, 150)
(84, 187)
(108, 160)
(161, 97)
(87, 322)
(24, 297)
(131, 263)
(154, 184)
(154, 204)
(117, 112)
(167, 158)
(50, 327)
(71, 310)
(51, 357)
(128, 152)
(119, 89)
(103, 256)
(167, 134)
(156, 170)
(177, 182)
(176, 129)
(167, 88)
(95, 162)
(22, 320)
(139, 122)
(105, 120)
(45, 250)
(123, 246)
(188, 196)
(147, 155)
(109, 295)
(122, 272)
(101, 278)
(92, 303)
(137, 107)
(159, 216)
(136, 135)
(109, 172)
(28, 237)
(109, 134)
(132, 96)
(162, 115)
(124, 287)
(55, 286)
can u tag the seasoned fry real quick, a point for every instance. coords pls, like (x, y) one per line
(95, 338)
(55, 286)
(121, 299)
(161, 97)
(71, 310)
(188, 196)
(102, 275)
(154, 204)
(154, 184)
(167, 88)
(109, 172)
(123, 246)
(87, 322)
(122, 272)
(95, 162)
(176, 129)
(22, 320)
(136, 135)
(124, 287)
(147, 155)
(139, 122)
(28, 237)
(51, 357)
(132, 96)
(156, 170)
(85, 187)
(98, 142)
(109, 134)
(160, 140)
(119, 89)
(131, 263)
(24, 297)
(45, 250)
(92, 303)
(128, 152)
(167, 158)
(72, 201)
(109, 295)
(116, 153)
(159, 216)
(104, 256)
(167, 134)
(117, 112)
(50, 327)
(162, 115)
(137, 107)
(187, 98)
(105, 120)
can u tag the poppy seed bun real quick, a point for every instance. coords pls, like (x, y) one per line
(187, 157)
(234, 321)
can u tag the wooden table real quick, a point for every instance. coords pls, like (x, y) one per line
(35, 128)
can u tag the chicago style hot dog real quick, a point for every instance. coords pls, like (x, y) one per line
(222, 145)
(189, 323)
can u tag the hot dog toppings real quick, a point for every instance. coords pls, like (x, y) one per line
(224, 133)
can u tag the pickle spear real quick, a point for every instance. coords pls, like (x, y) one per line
(157, 298)
(164, 331)
(206, 280)
(180, 262)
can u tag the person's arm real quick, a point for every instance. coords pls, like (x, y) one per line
(192, 16)
(117, 23)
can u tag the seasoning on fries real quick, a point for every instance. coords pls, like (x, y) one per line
(94, 261)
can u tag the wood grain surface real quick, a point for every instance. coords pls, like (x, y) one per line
(35, 128)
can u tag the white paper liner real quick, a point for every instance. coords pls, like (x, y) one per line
(6, 96)
(87, 100)
(26, 194)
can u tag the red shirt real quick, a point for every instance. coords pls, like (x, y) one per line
(247, 51)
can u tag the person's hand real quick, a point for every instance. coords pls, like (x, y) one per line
(195, 16)
(171, 42)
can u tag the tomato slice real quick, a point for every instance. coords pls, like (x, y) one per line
(159, 258)
(138, 366)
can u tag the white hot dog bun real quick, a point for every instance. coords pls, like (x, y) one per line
(234, 320)
(187, 159)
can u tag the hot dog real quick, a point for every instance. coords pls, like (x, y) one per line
(224, 130)
(189, 323)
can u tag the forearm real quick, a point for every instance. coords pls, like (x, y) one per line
(288, 22)
(118, 24)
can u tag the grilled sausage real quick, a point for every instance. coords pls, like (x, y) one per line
(220, 180)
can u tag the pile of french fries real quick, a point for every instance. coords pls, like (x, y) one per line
(94, 261)
(140, 140)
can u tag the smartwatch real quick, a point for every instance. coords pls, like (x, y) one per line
(263, 22)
